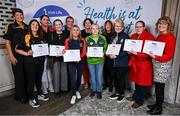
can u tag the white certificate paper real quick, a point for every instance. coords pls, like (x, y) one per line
(95, 52)
(56, 50)
(113, 49)
(133, 45)
(72, 56)
(154, 47)
(40, 50)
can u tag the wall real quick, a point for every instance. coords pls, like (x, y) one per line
(6, 76)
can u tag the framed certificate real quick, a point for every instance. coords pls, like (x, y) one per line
(56, 50)
(113, 49)
(95, 52)
(154, 47)
(133, 45)
(40, 50)
(72, 56)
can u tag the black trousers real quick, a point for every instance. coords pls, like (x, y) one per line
(20, 79)
(139, 93)
(119, 75)
(106, 73)
(75, 72)
(159, 90)
(34, 77)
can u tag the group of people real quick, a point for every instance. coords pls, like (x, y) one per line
(47, 73)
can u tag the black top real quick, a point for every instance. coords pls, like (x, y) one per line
(84, 34)
(123, 57)
(25, 44)
(108, 37)
(56, 39)
(14, 34)
(66, 33)
(45, 34)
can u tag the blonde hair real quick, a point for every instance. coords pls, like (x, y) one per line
(119, 21)
(165, 20)
(71, 35)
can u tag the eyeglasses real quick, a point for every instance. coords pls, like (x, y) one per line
(137, 27)
(162, 24)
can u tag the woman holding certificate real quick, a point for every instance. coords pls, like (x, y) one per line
(75, 42)
(96, 46)
(162, 65)
(56, 39)
(119, 61)
(140, 67)
(33, 66)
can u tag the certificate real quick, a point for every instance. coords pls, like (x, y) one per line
(72, 56)
(133, 45)
(56, 50)
(40, 50)
(95, 52)
(154, 47)
(113, 49)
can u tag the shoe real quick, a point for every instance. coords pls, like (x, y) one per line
(135, 105)
(130, 98)
(51, 90)
(92, 94)
(120, 98)
(151, 106)
(23, 101)
(78, 95)
(99, 95)
(43, 97)
(33, 103)
(114, 96)
(73, 99)
(155, 111)
(45, 92)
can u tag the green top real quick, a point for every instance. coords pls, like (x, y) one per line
(96, 41)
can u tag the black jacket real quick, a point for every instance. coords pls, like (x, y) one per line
(123, 57)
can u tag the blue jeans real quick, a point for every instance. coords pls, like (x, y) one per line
(96, 76)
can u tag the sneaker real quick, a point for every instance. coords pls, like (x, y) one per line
(45, 92)
(78, 95)
(33, 103)
(114, 96)
(120, 98)
(51, 90)
(92, 94)
(99, 95)
(43, 97)
(73, 99)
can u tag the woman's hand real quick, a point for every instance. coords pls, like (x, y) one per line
(13, 60)
(29, 53)
(152, 55)
(112, 56)
(133, 52)
(64, 51)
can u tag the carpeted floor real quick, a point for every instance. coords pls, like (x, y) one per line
(105, 106)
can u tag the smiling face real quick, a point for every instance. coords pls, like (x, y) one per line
(34, 26)
(58, 26)
(19, 17)
(75, 32)
(87, 24)
(162, 27)
(139, 27)
(95, 29)
(69, 23)
(44, 21)
(118, 27)
(108, 26)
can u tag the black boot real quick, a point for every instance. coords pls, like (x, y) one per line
(155, 111)
(151, 106)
